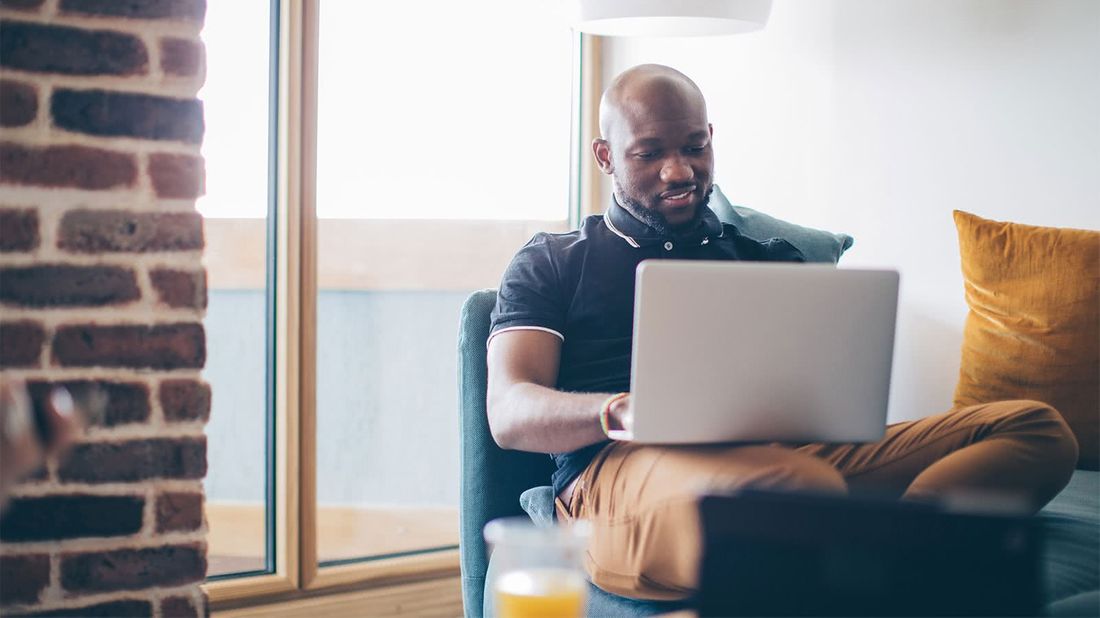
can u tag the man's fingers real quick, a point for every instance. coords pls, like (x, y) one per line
(20, 451)
(626, 413)
(61, 419)
(628, 419)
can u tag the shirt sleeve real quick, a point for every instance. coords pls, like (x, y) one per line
(530, 295)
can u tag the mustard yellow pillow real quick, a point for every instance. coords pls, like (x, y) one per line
(1033, 331)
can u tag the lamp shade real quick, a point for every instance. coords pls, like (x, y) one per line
(670, 17)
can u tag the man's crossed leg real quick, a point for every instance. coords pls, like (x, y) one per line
(641, 500)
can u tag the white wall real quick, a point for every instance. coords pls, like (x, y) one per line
(879, 117)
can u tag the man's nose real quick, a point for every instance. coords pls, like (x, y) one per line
(676, 169)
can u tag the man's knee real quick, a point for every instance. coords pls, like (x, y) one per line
(785, 469)
(1049, 431)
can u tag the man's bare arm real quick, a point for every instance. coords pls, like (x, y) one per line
(525, 411)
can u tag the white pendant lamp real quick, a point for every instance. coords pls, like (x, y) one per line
(670, 17)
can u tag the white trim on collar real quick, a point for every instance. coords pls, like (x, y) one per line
(611, 226)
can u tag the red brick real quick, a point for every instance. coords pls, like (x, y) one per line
(194, 10)
(126, 402)
(134, 460)
(71, 516)
(97, 231)
(161, 346)
(18, 229)
(18, 103)
(41, 48)
(21, 343)
(185, 400)
(179, 512)
(124, 608)
(132, 569)
(178, 607)
(126, 114)
(21, 5)
(40, 473)
(181, 57)
(76, 167)
(177, 176)
(64, 285)
(24, 578)
(180, 289)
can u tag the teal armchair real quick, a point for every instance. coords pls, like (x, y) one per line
(493, 478)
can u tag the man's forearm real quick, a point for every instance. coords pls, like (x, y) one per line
(529, 417)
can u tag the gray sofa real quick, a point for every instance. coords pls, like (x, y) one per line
(493, 479)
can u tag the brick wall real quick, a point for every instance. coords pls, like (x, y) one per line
(101, 283)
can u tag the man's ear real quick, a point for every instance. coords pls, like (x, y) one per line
(601, 150)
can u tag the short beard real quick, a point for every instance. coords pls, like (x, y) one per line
(656, 220)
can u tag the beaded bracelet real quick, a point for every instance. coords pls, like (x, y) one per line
(605, 412)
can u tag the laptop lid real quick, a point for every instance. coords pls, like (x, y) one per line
(749, 351)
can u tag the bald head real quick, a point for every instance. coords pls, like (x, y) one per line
(655, 143)
(647, 92)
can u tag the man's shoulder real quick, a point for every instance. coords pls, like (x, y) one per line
(592, 228)
(767, 249)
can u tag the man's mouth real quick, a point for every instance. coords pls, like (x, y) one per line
(678, 197)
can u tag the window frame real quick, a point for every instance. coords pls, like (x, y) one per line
(292, 268)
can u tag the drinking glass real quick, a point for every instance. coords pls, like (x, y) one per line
(538, 570)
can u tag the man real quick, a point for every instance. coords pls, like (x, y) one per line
(559, 363)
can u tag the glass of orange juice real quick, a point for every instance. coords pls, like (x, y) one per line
(537, 570)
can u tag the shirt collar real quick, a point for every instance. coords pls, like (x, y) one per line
(638, 234)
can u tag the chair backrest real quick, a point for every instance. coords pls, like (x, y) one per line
(492, 478)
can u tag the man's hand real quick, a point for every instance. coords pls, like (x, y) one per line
(28, 436)
(620, 415)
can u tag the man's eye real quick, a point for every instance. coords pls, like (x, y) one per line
(645, 155)
(696, 149)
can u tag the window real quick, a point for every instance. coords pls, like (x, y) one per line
(437, 157)
(412, 154)
(236, 97)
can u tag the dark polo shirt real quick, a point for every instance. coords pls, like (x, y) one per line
(580, 286)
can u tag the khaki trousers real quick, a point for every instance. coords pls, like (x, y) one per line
(641, 500)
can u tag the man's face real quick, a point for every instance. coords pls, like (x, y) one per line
(662, 163)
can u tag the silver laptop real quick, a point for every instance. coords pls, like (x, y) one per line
(743, 351)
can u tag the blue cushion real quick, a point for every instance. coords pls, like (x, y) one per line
(1071, 552)
(816, 245)
(538, 503)
(1086, 604)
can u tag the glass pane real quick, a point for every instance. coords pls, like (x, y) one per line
(235, 98)
(443, 144)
